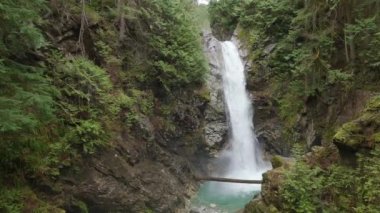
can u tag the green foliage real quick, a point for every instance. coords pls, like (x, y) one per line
(10, 200)
(201, 17)
(21, 199)
(56, 106)
(85, 101)
(302, 189)
(26, 95)
(369, 188)
(90, 135)
(85, 88)
(21, 86)
(309, 51)
(174, 53)
(265, 18)
(340, 188)
(336, 189)
(224, 17)
(365, 33)
(129, 107)
(307, 39)
(178, 59)
(290, 103)
(17, 21)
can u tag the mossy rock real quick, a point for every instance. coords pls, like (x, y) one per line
(350, 134)
(346, 131)
(362, 132)
(277, 161)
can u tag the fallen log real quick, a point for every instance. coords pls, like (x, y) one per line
(228, 180)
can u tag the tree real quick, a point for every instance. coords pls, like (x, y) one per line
(26, 96)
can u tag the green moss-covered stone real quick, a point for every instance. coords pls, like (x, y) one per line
(346, 131)
(362, 132)
(349, 135)
(277, 161)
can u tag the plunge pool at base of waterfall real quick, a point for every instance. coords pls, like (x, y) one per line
(211, 200)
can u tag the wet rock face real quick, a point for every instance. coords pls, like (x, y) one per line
(243, 52)
(216, 126)
(131, 177)
(267, 124)
(148, 169)
(266, 120)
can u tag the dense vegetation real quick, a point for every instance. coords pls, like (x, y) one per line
(63, 97)
(75, 75)
(313, 56)
(224, 16)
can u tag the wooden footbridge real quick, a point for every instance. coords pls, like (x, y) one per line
(228, 180)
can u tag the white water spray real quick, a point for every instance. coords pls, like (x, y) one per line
(244, 156)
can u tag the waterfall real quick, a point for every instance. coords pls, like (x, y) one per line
(243, 157)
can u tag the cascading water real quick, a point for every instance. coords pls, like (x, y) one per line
(243, 158)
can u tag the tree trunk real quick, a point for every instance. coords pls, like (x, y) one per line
(228, 180)
(120, 6)
(83, 24)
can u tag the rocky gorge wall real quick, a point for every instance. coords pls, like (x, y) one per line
(216, 127)
(318, 129)
(149, 165)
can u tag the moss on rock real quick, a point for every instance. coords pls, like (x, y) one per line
(277, 161)
(362, 132)
(349, 134)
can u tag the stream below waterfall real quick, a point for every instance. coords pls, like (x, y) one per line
(209, 200)
(243, 157)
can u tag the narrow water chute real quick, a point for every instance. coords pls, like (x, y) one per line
(244, 156)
